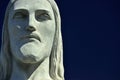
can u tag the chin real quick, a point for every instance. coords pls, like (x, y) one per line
(30, 53)
(31, 59)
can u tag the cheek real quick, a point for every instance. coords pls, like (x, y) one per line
(47, 32)
(15, 27)
(11, 28)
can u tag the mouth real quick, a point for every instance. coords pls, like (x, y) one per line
(33, 36)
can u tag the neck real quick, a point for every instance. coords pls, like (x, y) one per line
(39, 71)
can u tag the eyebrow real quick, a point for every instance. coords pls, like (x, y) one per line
(42, 10)
(21, 10)
(25, 10)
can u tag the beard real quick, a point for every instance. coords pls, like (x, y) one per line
(31, 52)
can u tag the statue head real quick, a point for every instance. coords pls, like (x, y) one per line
(30, 34)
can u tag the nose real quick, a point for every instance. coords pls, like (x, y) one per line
(31, 23)
(30, 28)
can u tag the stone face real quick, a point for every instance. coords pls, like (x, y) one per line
(31, 30)
(31, 42)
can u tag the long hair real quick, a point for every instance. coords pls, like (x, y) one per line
(56, 69)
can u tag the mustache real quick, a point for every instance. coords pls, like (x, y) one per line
(33, 35)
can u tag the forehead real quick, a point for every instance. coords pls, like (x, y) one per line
(32, 5)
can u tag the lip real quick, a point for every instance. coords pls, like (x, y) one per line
(32, 36)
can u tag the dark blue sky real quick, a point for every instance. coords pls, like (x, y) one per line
(91, 37)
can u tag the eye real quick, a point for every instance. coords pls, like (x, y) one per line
(42, 17)
(19, 15)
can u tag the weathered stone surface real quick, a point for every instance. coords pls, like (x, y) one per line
(31, 41)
